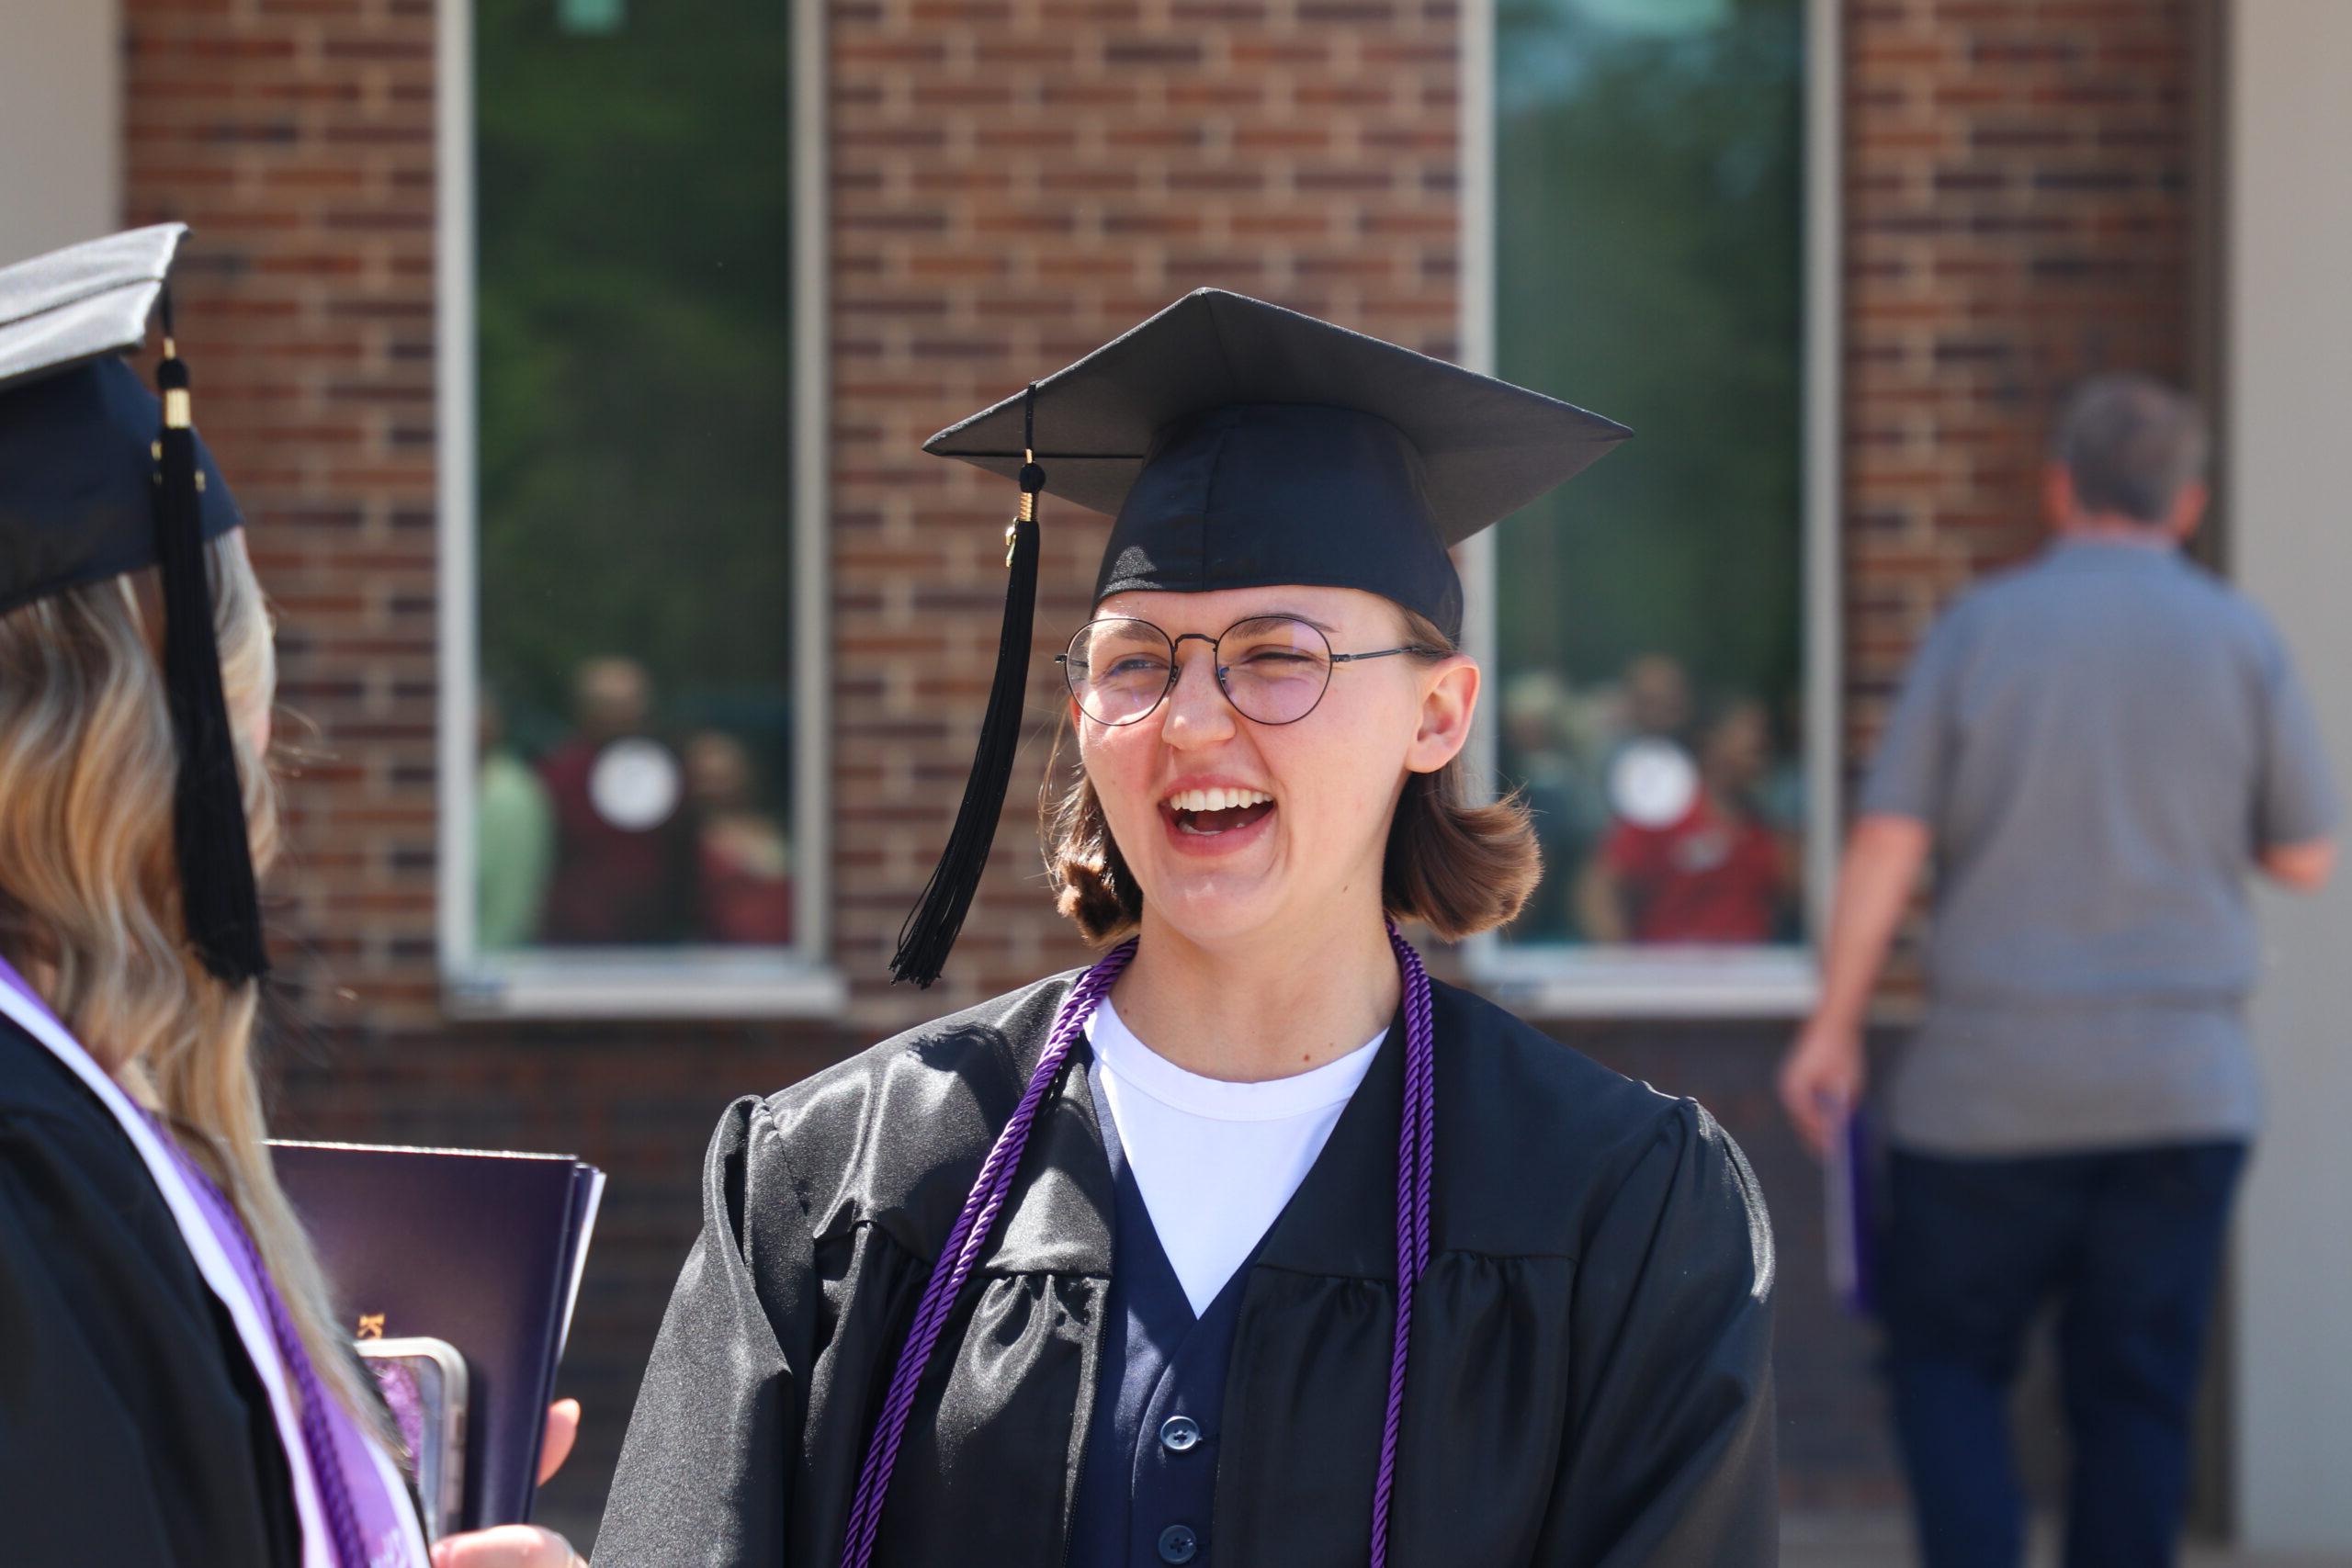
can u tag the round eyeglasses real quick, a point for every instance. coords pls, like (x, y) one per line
(1273, 669)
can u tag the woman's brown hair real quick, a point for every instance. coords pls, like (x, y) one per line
(1452, 864)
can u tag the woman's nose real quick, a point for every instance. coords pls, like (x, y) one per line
(1197, 711)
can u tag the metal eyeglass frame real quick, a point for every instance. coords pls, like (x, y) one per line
(1176, 669)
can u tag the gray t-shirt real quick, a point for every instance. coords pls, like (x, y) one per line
(2102, 741)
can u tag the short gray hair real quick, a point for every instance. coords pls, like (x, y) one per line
(2130, 443)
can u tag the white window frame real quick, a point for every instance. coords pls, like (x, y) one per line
(633, 982)
(1626, 981)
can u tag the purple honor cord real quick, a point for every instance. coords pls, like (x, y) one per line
(1415, 1137)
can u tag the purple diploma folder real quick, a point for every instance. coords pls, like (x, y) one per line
(1851, 1220)
(482, 1249)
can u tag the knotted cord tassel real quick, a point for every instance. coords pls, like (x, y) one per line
(218, 900)
(930, 929)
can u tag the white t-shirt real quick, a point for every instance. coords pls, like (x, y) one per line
(1215, 1161)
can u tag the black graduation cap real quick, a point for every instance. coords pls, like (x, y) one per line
(1240, 445)
(98, 476)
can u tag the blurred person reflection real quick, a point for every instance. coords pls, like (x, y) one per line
(514, 836)
(1655, 697)
(742, 859)
(1784, 800)
(1540, 761)
(623, 855)
(1712, 872)
(2094, 750)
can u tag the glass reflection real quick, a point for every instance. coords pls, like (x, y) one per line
(632, 301)
(1649, 619)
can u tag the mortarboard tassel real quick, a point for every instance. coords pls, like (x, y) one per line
(930, 929)
(219, 901)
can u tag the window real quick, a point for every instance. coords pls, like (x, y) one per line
(630, 701)
(1653, 626)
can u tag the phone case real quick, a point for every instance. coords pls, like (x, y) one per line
(423, 1382)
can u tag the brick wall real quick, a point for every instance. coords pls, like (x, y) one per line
(2019, 214)
(1011, 181)
(297, 135)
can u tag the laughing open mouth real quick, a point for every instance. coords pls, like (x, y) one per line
(1207, 812)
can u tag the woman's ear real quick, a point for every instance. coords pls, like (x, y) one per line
(1449, 702)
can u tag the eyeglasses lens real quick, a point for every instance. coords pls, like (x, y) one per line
(1274, 670)
(1118, 670)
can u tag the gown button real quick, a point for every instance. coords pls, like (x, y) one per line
(1178, 1544)
(1179, 1433)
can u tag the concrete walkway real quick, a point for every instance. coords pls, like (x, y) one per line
(1884, 1540)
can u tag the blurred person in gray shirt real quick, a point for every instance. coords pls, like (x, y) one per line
(2094, 750)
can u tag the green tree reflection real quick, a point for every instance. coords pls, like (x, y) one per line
(1648, 232)
(632, 212)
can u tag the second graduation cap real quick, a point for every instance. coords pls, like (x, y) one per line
(1240, 445)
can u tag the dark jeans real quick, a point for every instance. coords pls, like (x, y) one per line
(2129, 1243)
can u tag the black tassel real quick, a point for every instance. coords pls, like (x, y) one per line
(930, 927)
(216, 893)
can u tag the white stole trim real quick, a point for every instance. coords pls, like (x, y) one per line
(251, 1318)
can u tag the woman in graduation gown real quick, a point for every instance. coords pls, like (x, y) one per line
(1249, 1246)
(173, 1386)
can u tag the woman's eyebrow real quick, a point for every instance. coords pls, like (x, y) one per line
(1275, 614)
(1290, 615)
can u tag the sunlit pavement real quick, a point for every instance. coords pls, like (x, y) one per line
(1884, 1540)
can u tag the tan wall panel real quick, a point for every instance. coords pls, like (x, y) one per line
(2289, 356)
(60, 124)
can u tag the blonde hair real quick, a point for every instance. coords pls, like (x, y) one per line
(1454, 864)
(90, 894)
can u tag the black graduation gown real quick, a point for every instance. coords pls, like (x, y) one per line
(132, 1428)
(1590, 1376)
